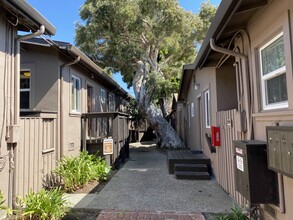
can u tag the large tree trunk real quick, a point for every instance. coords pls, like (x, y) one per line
(166, 135)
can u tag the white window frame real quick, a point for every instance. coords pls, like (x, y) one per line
(268, 76)
(192, 110)
(111, 103)
(207, 108)
(103, 96)
(26, 90)
(189, 116)
(75, 104)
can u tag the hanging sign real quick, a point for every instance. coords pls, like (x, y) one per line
(107, 146)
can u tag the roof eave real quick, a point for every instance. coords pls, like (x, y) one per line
(96, 68)
(33, 15)
(218, 24)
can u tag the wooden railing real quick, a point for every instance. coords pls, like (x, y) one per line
(98, 126)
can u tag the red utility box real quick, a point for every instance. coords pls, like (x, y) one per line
(216, 138)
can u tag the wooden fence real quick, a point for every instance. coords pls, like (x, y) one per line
(99, 126)
(36, 154)
(225, 154)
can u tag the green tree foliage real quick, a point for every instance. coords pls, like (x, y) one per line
(118, 33)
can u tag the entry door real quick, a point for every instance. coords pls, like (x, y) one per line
(90, 98)
(90, 108)
(199, 135)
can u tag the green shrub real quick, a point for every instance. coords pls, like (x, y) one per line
(43, 205)
(78, 171)
(101, 169)
(4, 207)
(2, 200)
(235, 215)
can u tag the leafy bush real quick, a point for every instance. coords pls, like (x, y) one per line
(4, 207)
(2, 200)
(43, 205)
(78, 171)
(235, 215)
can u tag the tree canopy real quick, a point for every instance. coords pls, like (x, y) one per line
(118, 33)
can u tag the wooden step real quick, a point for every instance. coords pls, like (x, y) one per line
(190, 175)
(186, 157)
(191, 167)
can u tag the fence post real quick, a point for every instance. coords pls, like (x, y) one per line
(84, 130)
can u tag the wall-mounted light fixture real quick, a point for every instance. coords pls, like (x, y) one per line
(196, 85)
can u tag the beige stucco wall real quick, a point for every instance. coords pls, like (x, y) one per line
(3, 148)
(7, 102)
(276, 17)
(205, 78)
(43, 62)
(72, 120)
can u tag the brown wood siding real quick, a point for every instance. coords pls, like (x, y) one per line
(36, 154)
(225, 154)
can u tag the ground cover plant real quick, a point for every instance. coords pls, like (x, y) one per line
(235, 215)
(76, 172)
(43, 205)
(2, 200)
(4, 207)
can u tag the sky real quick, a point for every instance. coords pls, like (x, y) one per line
(63, 14)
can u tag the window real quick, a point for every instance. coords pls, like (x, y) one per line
(111, 103)
(273, 74)
(192, 110)
(25, 88)
(207, 109)
(75, 94)
(189, 120)
(103, 96)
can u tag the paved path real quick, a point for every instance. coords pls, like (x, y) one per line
(144, 184)
(128, 215)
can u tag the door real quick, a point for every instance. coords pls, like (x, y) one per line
(90, 108)
(199, 144)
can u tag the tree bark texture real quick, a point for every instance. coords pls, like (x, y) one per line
(166, 135)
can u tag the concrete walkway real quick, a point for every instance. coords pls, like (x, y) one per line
(144, 184)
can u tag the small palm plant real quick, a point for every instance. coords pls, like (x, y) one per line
(44, 205)
(76, 172)
(4, 207)
(235, 215)
(2, 200)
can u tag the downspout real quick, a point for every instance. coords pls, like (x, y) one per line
(61, 114)
(226, 51)
(16, 118)
(241, 56)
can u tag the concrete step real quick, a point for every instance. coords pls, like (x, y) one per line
(191, 167)
(190, 175)
(186, 157)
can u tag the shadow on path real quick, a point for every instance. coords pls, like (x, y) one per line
(143, 183)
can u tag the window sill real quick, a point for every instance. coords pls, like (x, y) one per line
(75, 114)
(284, 115)
(273, 112)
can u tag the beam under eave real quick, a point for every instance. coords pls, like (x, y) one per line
(251, 7)
(234, 29)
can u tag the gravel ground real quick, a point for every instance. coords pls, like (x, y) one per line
(144, 184)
